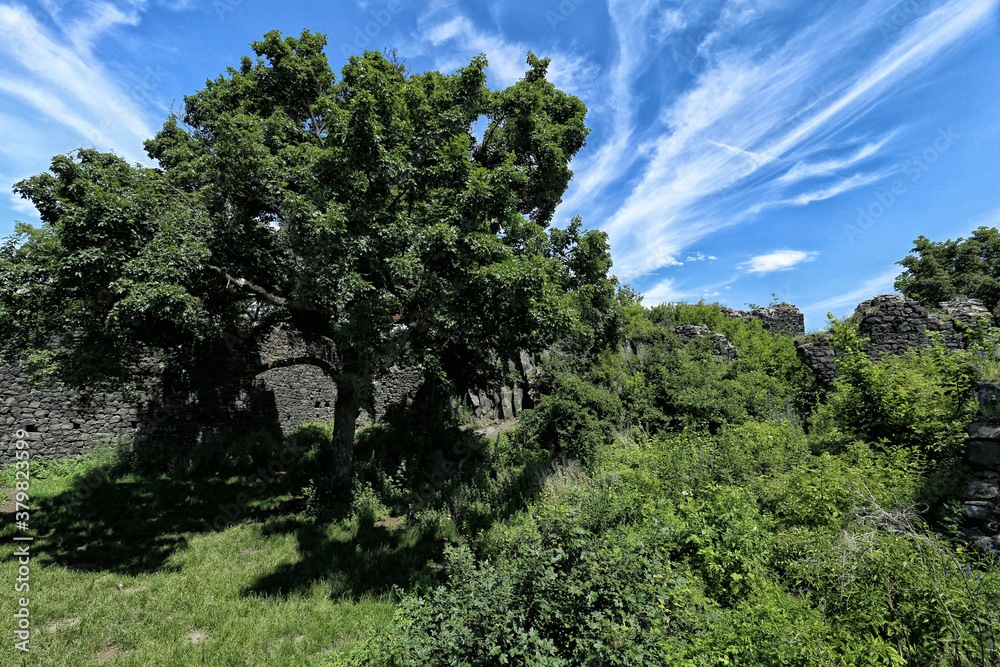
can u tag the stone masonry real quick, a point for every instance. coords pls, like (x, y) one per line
(893, 324)
(281, 398)
(982, 493)
(781, 318)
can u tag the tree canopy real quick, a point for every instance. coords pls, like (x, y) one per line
(940, 271)
(378, 215)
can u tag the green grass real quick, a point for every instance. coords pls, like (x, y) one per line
(131, 574)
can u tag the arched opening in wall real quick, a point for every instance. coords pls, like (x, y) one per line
(30, 428)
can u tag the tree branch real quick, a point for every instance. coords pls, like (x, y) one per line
(262, 293)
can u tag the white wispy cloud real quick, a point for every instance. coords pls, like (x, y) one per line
(567, 72)
(845, 185)
(68, 85)
(779, 260)
(746, 114)
(662, 292)
(99, 18)
(635, 55)
(925, 38)
(804, 170)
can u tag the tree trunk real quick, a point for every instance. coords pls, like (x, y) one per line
(345, 417)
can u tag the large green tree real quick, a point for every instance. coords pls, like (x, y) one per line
(965, 267)
(380, 215)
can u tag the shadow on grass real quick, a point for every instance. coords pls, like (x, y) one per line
(134, 525)
(371, 559)
(133, 513)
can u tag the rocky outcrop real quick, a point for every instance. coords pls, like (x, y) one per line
(720, 345)
(508, 402)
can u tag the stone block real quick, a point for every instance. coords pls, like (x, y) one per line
(981, 432)
(982, 489)
(985, 452)
(978, 512)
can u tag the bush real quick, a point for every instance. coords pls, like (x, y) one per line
(671, 386)
(887, 576)
(574, 420)
(921, 399)
(588, 599)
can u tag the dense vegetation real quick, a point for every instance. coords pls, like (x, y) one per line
(660, 507)
(378, 215)
(658, 504)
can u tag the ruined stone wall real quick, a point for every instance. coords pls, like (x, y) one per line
(282, 398)
(893, 324)
(981, 501)
(782, 318)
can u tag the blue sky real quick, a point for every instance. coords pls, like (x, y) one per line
(738, 148)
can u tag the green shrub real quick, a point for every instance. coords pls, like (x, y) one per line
(574, 420)
(921, 399)
(671, 386)
(984, 353)
(822, 489)
(588, 599)
(887, 576)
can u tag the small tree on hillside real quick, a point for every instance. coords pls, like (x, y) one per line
(363, 215)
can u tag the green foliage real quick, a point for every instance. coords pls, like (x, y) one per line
(361, 214)
(574, 419)
(921, 399)
(571, 598)
(820, 490)
(669, 386)
(679, 465)
(988, 398)
(983, 347)
(965, 267)
(887, 575)
(221, 454)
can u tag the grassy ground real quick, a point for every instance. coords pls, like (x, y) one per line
(150, 570)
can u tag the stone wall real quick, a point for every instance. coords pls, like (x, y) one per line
(782, 318)
(59, 425)
(721, 347)
(982, 493)
(281, 398)
(509, 401)
(981, 506)
(893, 324)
